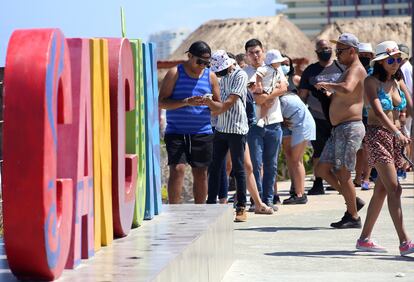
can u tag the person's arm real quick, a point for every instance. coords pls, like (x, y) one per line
(296, 80)
(304, 86)
(277, 91)
(303, 94)
(371, 93)
(404, 89)
(230, 101)
(259, 85)
(347, 86)
(166, 90)
(215, 103)
(238, 87)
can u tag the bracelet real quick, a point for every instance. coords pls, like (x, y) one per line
(397, 133)
(185, 101)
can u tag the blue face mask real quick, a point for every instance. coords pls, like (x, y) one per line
(285, 69)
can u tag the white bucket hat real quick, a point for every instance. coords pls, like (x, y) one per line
(365, 48)
(220, 61)
(273, 56)
(386, 49)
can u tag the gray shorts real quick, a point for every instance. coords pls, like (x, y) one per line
(341, 148)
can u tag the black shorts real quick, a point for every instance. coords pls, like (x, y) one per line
(194, 149)
(323, 132)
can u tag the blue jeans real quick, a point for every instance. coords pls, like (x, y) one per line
(223, 142)
(264, 144)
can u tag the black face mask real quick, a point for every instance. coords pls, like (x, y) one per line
(365, 61)
(222, 73)
(324, 55)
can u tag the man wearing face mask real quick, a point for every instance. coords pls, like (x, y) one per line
(325, 70)
(366, 54)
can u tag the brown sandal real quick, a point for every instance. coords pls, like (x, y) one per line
(264, 210)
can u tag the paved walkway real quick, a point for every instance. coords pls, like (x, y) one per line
(297, 244)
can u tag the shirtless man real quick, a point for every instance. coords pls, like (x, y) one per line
(338, 157)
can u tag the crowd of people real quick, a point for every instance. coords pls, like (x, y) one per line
(233, 114)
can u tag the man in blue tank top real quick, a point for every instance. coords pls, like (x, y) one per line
(188, 135)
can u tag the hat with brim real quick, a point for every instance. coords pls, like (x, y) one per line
(273, 56)
(365, 48)
(221, 61)
(386, 49)
(347, 39)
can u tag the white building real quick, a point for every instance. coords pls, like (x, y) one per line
(167, 41)
(312, 15)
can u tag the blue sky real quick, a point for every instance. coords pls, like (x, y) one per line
(101, 18)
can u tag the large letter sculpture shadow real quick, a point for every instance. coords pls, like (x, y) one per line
(77, 138)
(38, 202)
(124, 167)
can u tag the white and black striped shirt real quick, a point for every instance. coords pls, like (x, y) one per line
(234, 120)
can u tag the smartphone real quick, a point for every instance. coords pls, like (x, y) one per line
(208, 96)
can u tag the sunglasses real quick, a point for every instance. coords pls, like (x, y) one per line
(202, 62)
(392, 60)
(339, 51)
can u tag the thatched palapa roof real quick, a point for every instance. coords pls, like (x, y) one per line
(372, 30)
(231, 34)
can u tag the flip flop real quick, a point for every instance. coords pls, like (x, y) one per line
(264, 210)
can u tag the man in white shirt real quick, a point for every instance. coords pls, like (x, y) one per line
(264, 142)
(407, 70)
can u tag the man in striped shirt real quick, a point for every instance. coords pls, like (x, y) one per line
(231, 129)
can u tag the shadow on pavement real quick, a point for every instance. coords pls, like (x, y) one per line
(396, 258)
(275, 229)
(332, 254)
(341, 254)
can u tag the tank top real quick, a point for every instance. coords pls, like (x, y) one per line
(189, 119)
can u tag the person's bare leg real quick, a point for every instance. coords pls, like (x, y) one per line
(388, 176)
(366, 170)
(315, 162)
(297, 168)
(287, 150)
(348, 190)
(324, 170)
(175, 183)
(374, 209)
(200, 184)
(359, 166)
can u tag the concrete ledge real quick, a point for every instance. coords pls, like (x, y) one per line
(184, 243)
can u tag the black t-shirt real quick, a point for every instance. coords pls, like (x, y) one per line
(318, 102)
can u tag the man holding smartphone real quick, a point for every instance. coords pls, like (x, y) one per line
(188, 135)
(231, 129)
